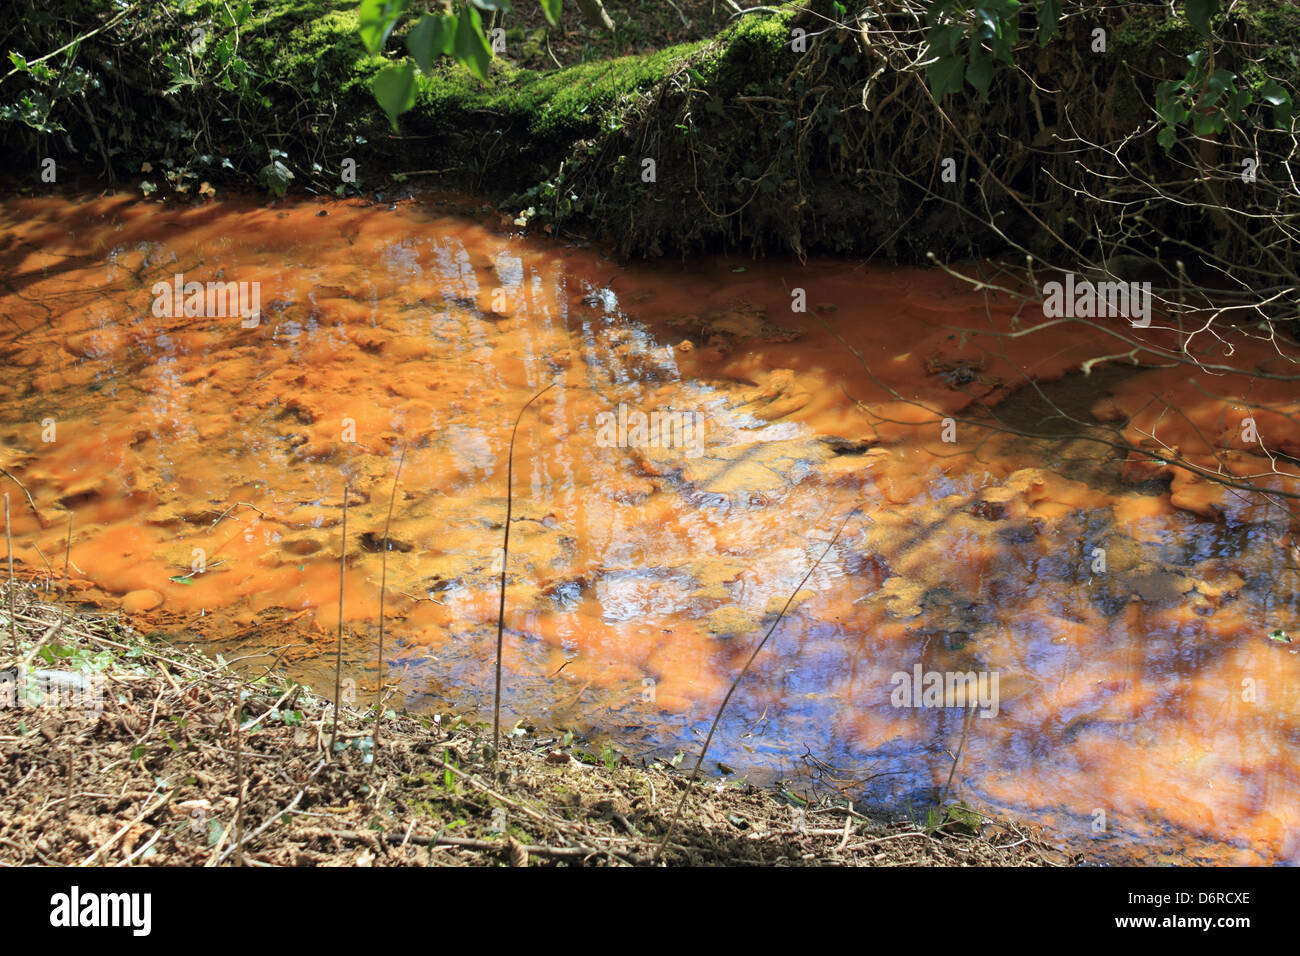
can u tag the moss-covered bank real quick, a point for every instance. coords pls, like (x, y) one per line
(756, 145)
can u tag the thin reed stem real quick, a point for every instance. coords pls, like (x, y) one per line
(383, 585)
(338, 652)
(239, 781)
(505, 555)
(9, 544)
(957, 759)
(67, 559)
(695, 772)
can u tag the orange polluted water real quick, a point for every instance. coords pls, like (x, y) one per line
(702, 443)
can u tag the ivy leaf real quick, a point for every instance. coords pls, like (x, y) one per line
(991, 25)
(431, 37)
(552, 10)
(1199, 13)
(943, 38)
(1219, 82)
(1207, 124)
(394, 88)
(946, 76)
(1169, 103)
(980, 74)
(1274, 94)
(1167, 137)
(1238, 100)
(470, 46)
(1049, 21)
(377, 20)
(1278, 98)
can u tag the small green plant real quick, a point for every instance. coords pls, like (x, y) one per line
(955, 818)
(275, 175)
(458, 35)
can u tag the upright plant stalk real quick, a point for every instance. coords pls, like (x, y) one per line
(9, 544)
(239, 779)
(67, 559)
(383, 585)
(505, 555)
(965, 732)
(695, 772)
(338, 653)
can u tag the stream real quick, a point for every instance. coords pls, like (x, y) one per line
(710, 427)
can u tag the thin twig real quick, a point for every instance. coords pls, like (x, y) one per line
(278, 815)
(142, 815)
(8, 475)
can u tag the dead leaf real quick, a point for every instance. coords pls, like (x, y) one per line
(518, 855)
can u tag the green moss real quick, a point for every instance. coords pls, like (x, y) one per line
(754, 47)
(564, 102)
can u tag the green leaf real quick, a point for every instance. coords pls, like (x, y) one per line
(1276, 96)
(1238, 100)
(1219, 82)
(1199, 13)
(1049, 21)
(394, 88)
(552, 10)
(1167, 137)
(979, 75)
(430, 38)
(946, 76)
(1207, 124)
(991, 25)
(471, 47)
(1169, 103)
(943, 39)
(377, 20)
